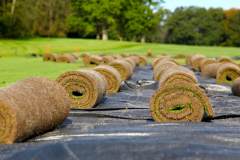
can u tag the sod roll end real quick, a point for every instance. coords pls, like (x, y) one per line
(227, 73)
(31, 107)
(86, 88)
(180, 103)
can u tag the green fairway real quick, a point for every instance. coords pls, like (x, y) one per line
(16, 63)
(63, 45)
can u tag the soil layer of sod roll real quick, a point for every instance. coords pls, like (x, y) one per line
(31, 107)
(86, 88)
(236, 87)
(124, 68)
(227, 73)
(112, 77)
(180, 102)
(177, 74)
(210, 70)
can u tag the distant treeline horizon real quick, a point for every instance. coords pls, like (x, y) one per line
(130, 20)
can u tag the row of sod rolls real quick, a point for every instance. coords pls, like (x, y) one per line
(37, 105)
(87, 87)
(178, 98)
(93, 60)
(223, 69)
(64, 58)
(31, 107)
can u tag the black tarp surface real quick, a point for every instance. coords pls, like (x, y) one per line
(122, 128)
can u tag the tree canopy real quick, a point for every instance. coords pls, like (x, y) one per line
(133, 20)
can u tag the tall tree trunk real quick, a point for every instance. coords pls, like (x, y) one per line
(98, 36)
(143, 39)
(104, 34)
(13, 6)
(50, 22)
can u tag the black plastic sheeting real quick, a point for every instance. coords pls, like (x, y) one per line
(122, 128)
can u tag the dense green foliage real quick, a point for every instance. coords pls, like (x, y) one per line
(196, 26)
(123, 19)
(132, 20)
(200, 26)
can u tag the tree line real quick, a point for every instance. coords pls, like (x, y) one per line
(132, 20)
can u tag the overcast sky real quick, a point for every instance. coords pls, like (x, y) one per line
(226, 4)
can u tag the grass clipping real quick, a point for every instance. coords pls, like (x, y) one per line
(112, 77)
(86, 88)
(227, 73)
(31, 107)
(180, 102)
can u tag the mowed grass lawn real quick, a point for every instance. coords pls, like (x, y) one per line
(63, 45)
(16, 62)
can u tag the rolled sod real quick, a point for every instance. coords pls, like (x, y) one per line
(236, 87)
(161, 67)
(177, 74)
(86, 88)
(225, 59)
(49, 57)
(118, 57)
(95, 60)
(161, 58)
(131, 61)
(124, 68)
(85, 58)
(188, 60)
(210, 70)
(134, 58)
(195, 61)
(180, 102)
(92, 59)
(108, 59)
(227, 73)
(142, 61)
(67, 58)
(205, 62)
(75, 55)
(31, 107)
(112, 77)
